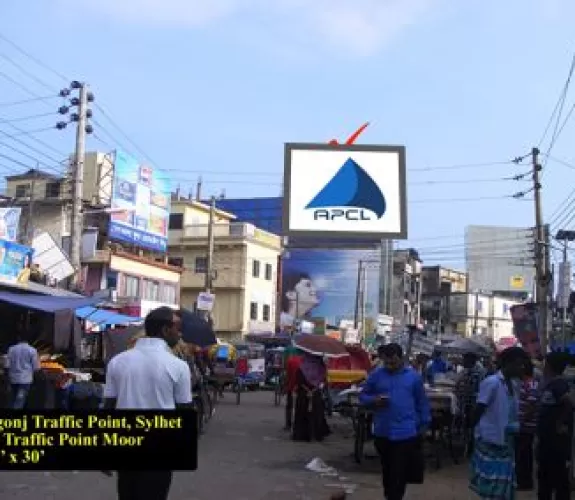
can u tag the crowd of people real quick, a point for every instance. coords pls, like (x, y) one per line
(518, 416)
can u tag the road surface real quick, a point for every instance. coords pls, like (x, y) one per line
(246, 455)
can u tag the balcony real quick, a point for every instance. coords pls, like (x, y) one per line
(234, 231)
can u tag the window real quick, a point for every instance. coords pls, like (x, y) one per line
(22, 190)
(169, 294)
(256, 268)
(151, 290)
(266, 312)
(201, 265)
(176, 221)
(253, 310)
(269, 272)
(131, 286)
(52, 190)
(176, 261)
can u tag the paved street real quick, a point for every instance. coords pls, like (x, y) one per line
(246, 455)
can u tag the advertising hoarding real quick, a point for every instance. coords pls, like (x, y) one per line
(13, 258)
(344, 191)
(322, 283)
(9, 223)
(140, 204)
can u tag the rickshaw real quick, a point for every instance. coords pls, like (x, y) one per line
(222, 359)
(255, 355)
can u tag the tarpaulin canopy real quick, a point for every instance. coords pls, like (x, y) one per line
(46, 303)
(104, 317)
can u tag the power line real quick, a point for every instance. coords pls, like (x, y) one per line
(33, 58)
(24, 71)
(26, 101)
(26, 118)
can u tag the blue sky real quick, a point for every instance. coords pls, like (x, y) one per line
(216, 87)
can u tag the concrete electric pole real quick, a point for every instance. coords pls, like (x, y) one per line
(78, 186)
(541, 255)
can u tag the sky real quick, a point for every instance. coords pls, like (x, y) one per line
(215, 88)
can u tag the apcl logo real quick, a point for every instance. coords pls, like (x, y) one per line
(351, 195)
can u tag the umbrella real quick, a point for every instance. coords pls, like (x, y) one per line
(463, 346)
(320, 345)
(196, 330)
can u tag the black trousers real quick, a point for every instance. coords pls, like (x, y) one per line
(289, 409)
(144, 485)
(553, 474)
(524, 457)
(396, 458)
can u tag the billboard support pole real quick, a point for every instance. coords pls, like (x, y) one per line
(78, 185)
(357, 292)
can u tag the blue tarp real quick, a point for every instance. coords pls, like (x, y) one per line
(47, 303)
(104, 317)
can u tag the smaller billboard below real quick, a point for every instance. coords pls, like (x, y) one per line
(344, 191)
(13, 259)
(140, 204)
(50, 257)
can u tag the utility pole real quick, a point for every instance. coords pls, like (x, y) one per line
(541, 254)
(210, 254)
(564, 285)
(31, 206)
(476, 313)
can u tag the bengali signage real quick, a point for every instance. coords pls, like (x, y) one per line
(526, 328)
(140, 204)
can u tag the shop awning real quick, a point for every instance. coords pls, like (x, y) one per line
(104, 317)
(47, 303)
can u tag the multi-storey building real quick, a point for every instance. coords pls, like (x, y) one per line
(245, 267)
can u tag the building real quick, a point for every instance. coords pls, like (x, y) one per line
(481, 314)
(135, 278)
(437, 286)
(406, 287)
(500, 260)
(245, 266)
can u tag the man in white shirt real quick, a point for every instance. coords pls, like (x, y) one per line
(149, 377)
(23, 363)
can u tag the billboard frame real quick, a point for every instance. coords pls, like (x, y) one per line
(343, 235)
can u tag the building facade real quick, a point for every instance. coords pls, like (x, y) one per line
(437, 286)
(481, 314)
(245, 267)
(500, 260)
(406, 287)
(135, 279)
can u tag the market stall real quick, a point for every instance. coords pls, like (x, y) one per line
(49, 324)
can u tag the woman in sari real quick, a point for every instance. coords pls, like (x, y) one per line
(310, 423)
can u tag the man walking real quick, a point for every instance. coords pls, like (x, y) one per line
(149, 377)
(401, 419)
(23, 363)
(554, 431)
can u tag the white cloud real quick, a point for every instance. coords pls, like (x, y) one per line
(358, 26)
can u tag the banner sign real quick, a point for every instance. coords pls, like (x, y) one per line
(13, 258)
(526, 328)
(140, 204)
(102, 440)
(9, 223)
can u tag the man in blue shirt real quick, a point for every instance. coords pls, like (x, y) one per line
(401, 418)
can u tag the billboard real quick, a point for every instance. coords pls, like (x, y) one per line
(344, 191)
(9, 223)
(13, 258)
(140, 204)
(323, 283)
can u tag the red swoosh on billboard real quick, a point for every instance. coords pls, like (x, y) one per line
(353, 137)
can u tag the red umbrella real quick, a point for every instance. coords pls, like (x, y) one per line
(321, 345)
